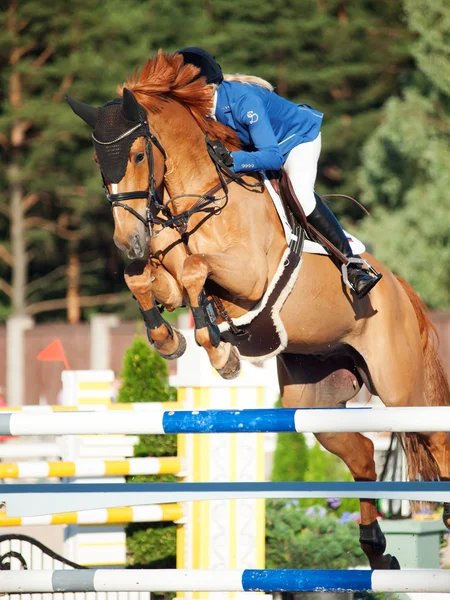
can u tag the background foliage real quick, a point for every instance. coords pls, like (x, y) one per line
(295, 540)
(378, 70)
(404, 175)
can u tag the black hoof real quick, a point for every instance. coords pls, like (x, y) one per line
(394, 564)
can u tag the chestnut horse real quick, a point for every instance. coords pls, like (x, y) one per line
(336, 343)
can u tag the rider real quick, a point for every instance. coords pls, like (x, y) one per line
(275, 134)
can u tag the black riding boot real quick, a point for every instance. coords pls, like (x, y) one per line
(360, 279)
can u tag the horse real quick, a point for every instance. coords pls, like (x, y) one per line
(234, 244)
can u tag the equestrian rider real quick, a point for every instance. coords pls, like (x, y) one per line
(276, 133)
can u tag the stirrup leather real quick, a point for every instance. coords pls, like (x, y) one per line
(358, 261)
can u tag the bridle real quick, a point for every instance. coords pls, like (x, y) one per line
(116, 200)
(178, 222)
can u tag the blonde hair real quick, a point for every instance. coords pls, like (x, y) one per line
(250, 80)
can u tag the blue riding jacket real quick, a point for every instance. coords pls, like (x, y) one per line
(268, 126)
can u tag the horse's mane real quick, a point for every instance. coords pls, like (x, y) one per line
(165, 77)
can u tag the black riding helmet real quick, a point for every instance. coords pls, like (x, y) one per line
(207, 64)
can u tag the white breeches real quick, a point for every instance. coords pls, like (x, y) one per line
(301, 166)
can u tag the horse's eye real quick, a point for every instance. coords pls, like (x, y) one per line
(139, 157)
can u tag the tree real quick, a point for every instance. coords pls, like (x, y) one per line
(405, 166)
(51, 203)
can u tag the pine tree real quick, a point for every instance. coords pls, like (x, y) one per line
(405, 168)
(51, 201)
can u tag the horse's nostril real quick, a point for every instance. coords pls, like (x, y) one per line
(137, 245)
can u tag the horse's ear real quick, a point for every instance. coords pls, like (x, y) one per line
(130, 106)
(89, 114)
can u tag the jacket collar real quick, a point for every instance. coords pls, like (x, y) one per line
(223, 108)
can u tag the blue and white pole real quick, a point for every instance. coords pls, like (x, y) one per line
(248, 580)
(258, 420)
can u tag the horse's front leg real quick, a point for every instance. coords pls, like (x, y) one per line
(227, 270)
(148, 280)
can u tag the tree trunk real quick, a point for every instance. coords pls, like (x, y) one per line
(73, 290)
(18, 243)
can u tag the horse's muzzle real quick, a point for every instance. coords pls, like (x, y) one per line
(134, 248)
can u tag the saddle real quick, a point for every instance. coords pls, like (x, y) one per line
(296, 215)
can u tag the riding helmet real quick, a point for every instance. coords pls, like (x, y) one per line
(207, 64)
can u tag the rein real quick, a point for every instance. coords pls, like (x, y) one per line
(178, 222)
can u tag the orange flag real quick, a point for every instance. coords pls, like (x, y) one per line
(54, 353)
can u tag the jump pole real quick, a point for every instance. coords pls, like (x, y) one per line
(121, 406)
(152, 513)
(231, 581)
(93, 468)
(249, 420)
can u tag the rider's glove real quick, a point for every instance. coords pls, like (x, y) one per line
(222, 152)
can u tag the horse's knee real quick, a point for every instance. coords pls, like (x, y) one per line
(138, 277)
(195, 273)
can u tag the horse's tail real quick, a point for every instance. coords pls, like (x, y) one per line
(436, 388)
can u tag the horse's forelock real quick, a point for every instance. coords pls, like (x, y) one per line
(166, 77)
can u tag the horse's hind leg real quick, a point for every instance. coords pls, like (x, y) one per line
(406, 371)
(357, 452)
(306, 382)
(148, 280)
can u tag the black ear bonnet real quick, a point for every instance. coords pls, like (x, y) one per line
(111, 142)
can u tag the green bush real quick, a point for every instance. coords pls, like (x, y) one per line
(290, 459)
(295, 540)
(145, 379)
(144, 375)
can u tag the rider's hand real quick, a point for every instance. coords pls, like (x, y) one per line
(222, 152)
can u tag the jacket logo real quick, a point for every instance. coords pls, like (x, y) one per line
(252, 117)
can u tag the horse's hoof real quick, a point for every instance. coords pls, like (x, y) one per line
(394, 565)
(232, 367)
(179, 351)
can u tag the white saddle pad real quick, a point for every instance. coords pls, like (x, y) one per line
(310, 247)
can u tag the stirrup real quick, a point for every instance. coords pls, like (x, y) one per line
(356, 261)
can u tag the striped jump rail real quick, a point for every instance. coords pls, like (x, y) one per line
(104, 516)
(248, 580)
(119, 406)
(314, 420)
(93, 468)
